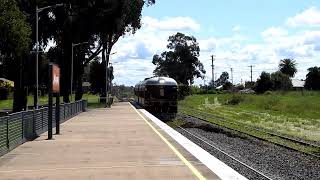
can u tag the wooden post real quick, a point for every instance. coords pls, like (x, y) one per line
(50, 104)
(58, 113)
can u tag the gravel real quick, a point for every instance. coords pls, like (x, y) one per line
(273, 161)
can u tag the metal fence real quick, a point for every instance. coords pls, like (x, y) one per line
(20, 127)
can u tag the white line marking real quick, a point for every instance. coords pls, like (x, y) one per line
(182, 158)
(215, 165)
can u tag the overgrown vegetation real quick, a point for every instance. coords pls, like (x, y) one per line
(295, 114)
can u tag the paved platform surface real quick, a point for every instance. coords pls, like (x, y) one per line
(101, 144)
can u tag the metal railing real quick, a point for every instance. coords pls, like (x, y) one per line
(20, 127)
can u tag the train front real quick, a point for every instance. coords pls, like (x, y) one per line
(161, 96)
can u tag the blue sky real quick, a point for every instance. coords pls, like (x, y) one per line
(238, 32)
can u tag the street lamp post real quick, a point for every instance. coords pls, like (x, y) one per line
(38, 10)
(107, 81)
(111, 79)
(71, 81)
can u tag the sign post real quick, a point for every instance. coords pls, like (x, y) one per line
(56, 91)
(54, 87)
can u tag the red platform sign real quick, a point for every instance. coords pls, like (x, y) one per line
(55, 79)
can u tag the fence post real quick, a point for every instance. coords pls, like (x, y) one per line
(42, 118)
(34, 134)
(22, 126)
(8, 139)
(57, 113)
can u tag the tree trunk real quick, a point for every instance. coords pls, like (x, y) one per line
(103, 89)
(79, 89)
(19, 98)
(79, 74)
(65, 73)
(66, 62)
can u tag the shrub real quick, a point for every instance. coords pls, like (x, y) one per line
(235, 100)
(4, 92)
(239, 87)
(313, 78)
(5, 88)
(183, 91)
(227, 86)
(271, 102)
(196, 90)
(268, 93)
(264, 83)
(249, 85)
(280, 81)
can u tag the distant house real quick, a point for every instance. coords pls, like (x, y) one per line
(298, 84)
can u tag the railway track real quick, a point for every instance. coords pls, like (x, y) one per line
(254, 173)
(314, 144)
(304, 144)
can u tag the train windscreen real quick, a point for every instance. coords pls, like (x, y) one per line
(162, 92)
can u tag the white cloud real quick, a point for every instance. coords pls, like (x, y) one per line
(303, 46)
(236, 28)
(310, 17)
(132, 71)
(208, 45)
(170, 24)
(274, 32)
(237, 51)
(312, 37)
(135, 52)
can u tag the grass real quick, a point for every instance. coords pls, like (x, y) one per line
(292, 114)
(93, 101)
(7, 104)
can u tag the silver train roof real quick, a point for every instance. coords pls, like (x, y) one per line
(159, 81)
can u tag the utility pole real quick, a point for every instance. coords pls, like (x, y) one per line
(212, 59)
(251, 71)
(231, 75)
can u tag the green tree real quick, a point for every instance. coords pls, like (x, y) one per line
(227, 85)
(288, 67)
(264, 83)
(280, 81)
(313, 78)
(181, 61)
(97, 71)
(14, 45)
(100, 23)
(223, 79)
(249, 85)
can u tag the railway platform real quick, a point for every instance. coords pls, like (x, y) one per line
(117, 143)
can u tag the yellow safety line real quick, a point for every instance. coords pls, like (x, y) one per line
(183, 159)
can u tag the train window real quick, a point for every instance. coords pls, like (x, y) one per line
(161, 92)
